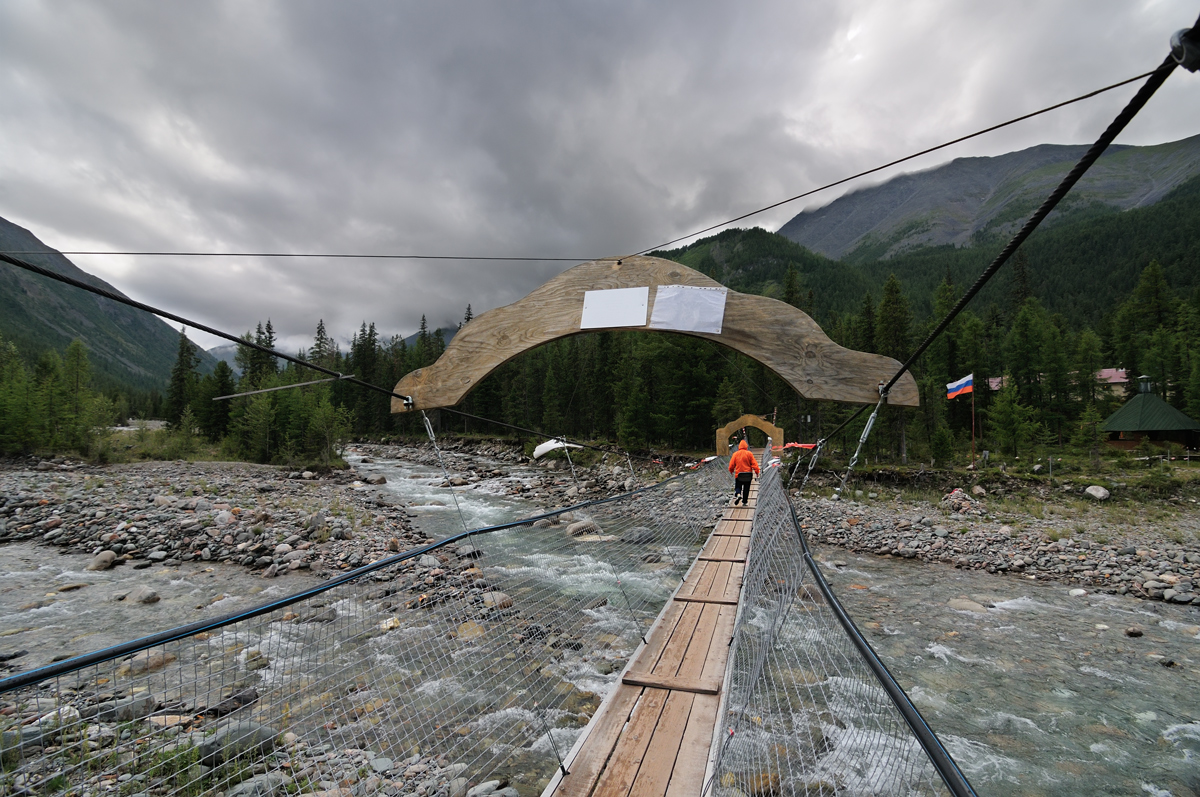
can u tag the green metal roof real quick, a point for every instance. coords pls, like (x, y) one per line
(1146, 412)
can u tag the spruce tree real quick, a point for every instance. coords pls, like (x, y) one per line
(182, 386)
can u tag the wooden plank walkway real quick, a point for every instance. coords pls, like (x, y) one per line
(653, 735)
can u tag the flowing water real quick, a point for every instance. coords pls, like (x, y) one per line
(1040, 693)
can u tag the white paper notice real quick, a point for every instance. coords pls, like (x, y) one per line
(687, 308)
(619, 307)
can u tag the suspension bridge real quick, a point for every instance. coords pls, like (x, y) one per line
(658, 642)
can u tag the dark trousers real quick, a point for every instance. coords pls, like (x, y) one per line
(741, 486)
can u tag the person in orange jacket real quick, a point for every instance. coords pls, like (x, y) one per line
(743, 466)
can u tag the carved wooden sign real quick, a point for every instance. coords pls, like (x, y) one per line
(723, 434)
(775, 334)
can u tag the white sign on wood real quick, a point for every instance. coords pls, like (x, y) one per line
(619, 307)
(689, 308)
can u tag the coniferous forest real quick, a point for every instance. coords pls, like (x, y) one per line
(1097, 290)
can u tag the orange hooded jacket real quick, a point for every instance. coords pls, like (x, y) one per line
(742, 460)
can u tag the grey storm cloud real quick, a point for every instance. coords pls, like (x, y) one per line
(573, 129)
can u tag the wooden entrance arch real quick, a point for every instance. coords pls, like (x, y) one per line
(757, 421)
(775, 334)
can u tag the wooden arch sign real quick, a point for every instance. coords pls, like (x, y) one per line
(775, 334)
(757, 421)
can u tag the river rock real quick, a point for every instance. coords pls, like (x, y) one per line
(103, 561)
(265, 785)
(1077, 593)
(978, 491)
(1097, 492)
(377, 480)
(142, 594)
(497, 600)
(382, 765)
(223, 518)
(639, 535)
(458, 787)
(484, 789)
(146, 661)
(1133, 631)
(964, 605)
(127, 710)
(469, 552)
(235, 740)
(429, 561)
(582, 527)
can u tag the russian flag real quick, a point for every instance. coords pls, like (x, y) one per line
(964, 385)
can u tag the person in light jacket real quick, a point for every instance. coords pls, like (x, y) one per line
(743, 466)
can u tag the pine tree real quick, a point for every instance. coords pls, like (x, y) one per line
(1021, 292)
(894, 321)
(864, 325)
(182, 386)
(791, 286)
(467, 316)
(1193, 391)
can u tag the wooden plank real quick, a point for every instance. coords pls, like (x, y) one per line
(627, 757)
(779, 336)
(655, 773)
(688, 599)
(687, 776)
(588, 765)
(721, 558)
(659, 635)
(676, 647)
(692, 665)
(674, 683)
(718, 646)
(702, 581)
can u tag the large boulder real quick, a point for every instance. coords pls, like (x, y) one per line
(582, 527)
(1097, 492)
(102, 561)
(236, 740)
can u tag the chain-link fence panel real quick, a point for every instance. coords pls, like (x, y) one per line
(480, 657)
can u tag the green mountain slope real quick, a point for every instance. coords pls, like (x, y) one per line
(1080, 267)
(756, 261)
(968, 198)
(126, 346)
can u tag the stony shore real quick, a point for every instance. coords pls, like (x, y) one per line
(273, 522)
(263, 518)
(961, 530)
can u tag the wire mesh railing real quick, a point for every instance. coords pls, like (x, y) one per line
(481, 657)
(808, 709)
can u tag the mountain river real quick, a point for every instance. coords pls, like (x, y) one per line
(1033, 691)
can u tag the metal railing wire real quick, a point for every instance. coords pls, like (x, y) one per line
(809, 709)
(478, 656)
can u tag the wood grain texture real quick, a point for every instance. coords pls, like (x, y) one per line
(775, 334)
(631, 748)
(687, 776)
(655, 773)
(757, 421)
(589, 764)
(673, 682)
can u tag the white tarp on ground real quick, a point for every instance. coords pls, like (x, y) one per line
(618, 307)
(688, 308)
(551, 445)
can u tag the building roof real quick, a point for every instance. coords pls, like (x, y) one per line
(1146, 412)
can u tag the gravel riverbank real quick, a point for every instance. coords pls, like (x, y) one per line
(961, 530)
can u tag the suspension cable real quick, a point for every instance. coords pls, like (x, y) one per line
(116, 297)
(446, 473)
(1156, 79)
(898, 161)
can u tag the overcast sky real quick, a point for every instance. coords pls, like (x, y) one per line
(555, 129)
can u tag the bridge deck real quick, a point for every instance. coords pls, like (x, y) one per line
(654, 733)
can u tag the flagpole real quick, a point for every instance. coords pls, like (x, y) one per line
(972, 427)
